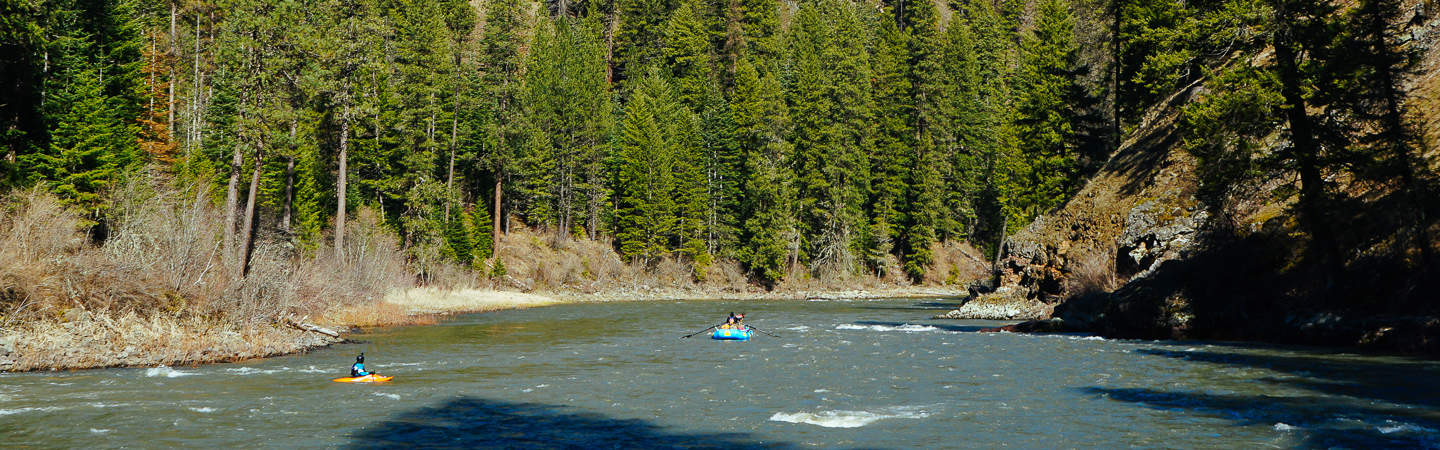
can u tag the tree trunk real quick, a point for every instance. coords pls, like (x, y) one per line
(495, 232)
(1394, 123)
(286, 212)
(247, 234)
(454, 141)
(1306, 150)
(170, 106)
(232, 199)
(194, 131)
(1000, 246)
(340, 189)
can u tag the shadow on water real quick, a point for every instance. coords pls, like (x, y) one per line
(1388, 381)
(1319, 422)
(1358, 403)
(469, 422)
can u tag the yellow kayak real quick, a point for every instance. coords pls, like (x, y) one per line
(371, 378)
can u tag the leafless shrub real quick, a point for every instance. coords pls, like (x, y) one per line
(1092, 273)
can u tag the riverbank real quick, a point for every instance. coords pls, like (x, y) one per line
(87, 340)
(420, 306)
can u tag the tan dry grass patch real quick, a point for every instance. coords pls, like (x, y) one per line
(440, 301)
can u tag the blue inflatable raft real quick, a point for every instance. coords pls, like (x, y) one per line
(729, 334)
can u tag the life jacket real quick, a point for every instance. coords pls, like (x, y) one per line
(358, 370)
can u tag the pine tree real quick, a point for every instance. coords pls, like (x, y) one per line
(686, 49)
(647, 213)
(932, 122)
(769, 238)
(1046, 114)
(639, 40)
(895, 142)
(720, 149)
(833, 120)
(89, 145)
(502, 65)
(568, 110)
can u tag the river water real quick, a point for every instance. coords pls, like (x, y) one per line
(842, 374)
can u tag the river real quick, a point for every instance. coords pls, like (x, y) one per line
(842, 374)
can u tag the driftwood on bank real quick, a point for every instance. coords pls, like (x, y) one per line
(311, 327)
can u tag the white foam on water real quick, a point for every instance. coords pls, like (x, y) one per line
(163, 371)
(821, 391)
(6, 412)
(203, 409)
(1392, 427)
(799, 328)
(908, 328)
(390, 396)
(539, 386)
(1282, 426)
(850, 419)
(312, 369)
(100, 430)
(252, 371)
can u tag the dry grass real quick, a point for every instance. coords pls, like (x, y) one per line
(440, 301)
(956, 263)
(375, 314)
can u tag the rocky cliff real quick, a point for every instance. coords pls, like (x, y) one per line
(1136, 254)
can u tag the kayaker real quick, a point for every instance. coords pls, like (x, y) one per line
(358, 370)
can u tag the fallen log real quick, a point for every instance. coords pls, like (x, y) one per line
(311, 327)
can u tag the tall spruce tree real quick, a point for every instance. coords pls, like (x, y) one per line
(769, 236)
(1046, 115)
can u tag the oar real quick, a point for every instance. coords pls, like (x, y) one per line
(762, 331)
(698, 332)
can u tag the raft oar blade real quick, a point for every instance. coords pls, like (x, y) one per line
(698, 332)
(767, 333)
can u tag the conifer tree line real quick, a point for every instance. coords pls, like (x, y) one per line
(829, 137)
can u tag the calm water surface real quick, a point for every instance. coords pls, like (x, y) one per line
(846, 374)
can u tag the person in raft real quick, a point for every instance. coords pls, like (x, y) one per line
(729, 322)
(739, 321)
(358, 370)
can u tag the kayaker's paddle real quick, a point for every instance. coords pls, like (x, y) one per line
(698, 332)
(767, 333)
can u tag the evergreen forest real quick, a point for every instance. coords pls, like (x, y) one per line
(814, 137)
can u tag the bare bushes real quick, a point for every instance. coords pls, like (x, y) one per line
(36, 232)
(370, 265)
(163, 265)
(538, 260)
(102, 340)
(1092, 273)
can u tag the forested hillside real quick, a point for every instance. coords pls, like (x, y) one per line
(828, 138)
(818, 140)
